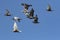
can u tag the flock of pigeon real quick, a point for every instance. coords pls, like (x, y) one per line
(29, 14)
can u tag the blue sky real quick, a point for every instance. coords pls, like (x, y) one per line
(47, 29)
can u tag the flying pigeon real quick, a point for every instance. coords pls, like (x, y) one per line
(15, 28)
(49, 8)
(26, 6)
(16, 19)
(7, 13)
(31, 13)
(35, 19)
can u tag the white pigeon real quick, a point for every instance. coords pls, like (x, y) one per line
(15, 28)
(17, 19)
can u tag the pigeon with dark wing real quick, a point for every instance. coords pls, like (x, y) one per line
(7, 13)
(26, 6)
(31, 15)
(49, 8)
(35, 19)
(16, 19)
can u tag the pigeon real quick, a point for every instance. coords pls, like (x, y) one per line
(16, 19)
(7, 13)
(15, 28)
(49, 8)
(35, 19)
(31, 15)
(26, 6)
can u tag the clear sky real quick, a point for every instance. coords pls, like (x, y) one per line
(47, 29)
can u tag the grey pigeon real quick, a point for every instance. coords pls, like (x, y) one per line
(7, 13)
(26, 6)
(35, 19)
(49, 8)
(31, 14)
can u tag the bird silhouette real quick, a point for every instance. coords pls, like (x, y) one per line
(49, 8)
(7, 13)
(31, 13)
(35, 19)
(16, 19)
(26, 6)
